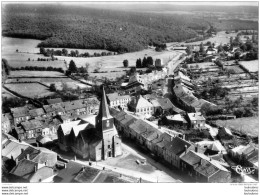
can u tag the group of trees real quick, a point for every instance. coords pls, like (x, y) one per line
(5, 69)
(74, 69)
(39, 68)
(72, 53)
(144, 63)
(88, 28)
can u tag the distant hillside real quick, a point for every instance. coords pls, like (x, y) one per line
(90, 28)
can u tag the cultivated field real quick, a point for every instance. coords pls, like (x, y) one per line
(249, 125)
(252, 66)
(29, 89)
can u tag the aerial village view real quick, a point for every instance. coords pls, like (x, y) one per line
(129, 93)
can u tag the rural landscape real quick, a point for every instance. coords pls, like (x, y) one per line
(131, 92)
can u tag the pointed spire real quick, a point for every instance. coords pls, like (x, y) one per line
(103, 108)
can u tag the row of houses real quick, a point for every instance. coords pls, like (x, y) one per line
(22, 162)
(183, 92)
(173, 149)
(138, 82)
(76, 107)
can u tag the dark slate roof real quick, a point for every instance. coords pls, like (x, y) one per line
(191, 158)
(177, 145)
(103, 107)
(20, 111)
(116, 96)
(110, 177)
(165, 103)
(31, 151)
(32, 124)
(25, 169)
(68, 174)
(36, 112)
(54, 101)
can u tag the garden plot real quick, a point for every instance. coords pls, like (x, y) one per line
(248, 125)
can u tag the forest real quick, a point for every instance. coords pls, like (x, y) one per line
(90, 28)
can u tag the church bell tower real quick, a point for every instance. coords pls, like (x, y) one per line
(105, 128)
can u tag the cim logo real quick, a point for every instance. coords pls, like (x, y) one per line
(243, 170)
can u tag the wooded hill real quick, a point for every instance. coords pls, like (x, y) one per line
(91, 28)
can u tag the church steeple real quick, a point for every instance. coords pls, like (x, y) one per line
(103, 108)
(104, 121)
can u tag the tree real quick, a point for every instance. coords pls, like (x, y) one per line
(53, 87)
(42, 50)
(202, 50)
(125, 63)
(189, 50)
(64, 52)
(149, 60)
(72, 53)
(72, 66)
(139, 63)
(144, 62)
(76, 53)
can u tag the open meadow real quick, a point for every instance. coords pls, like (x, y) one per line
(247, 125)
(31, 90)
(252, 66)
(25, 73)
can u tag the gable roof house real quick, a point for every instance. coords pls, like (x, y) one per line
(196, 120)
(141, 106)
(175, 149)
(20, 114)
(115, 100)
(204, 169)
(29, 171)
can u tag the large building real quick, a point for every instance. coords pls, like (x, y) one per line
(88, 142)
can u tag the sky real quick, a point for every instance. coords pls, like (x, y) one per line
(215, 3)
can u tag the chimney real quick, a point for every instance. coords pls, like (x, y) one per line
(75, 158)
(22, 150)
(20, 140)
(16, 161)
(65, 165)
(35, 168)
(201, 161)
(28, 156)
(183, 136)
(196, 148)
(45, 163)
(185, 149)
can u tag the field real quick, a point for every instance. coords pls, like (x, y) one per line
(106, 63)
(221, 37)
(29, 89)
(252, 66)
(236, 69)
(24, 73)
(249, 125)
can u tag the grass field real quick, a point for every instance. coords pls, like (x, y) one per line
(24, 73)
(252, 66)
(248, 125)
(221, 37)
(30, 89)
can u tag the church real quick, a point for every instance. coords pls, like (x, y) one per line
(93, 142)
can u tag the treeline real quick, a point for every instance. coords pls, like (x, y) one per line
(86, 28)
(38, 68)
(72, 53)
(144, 63)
